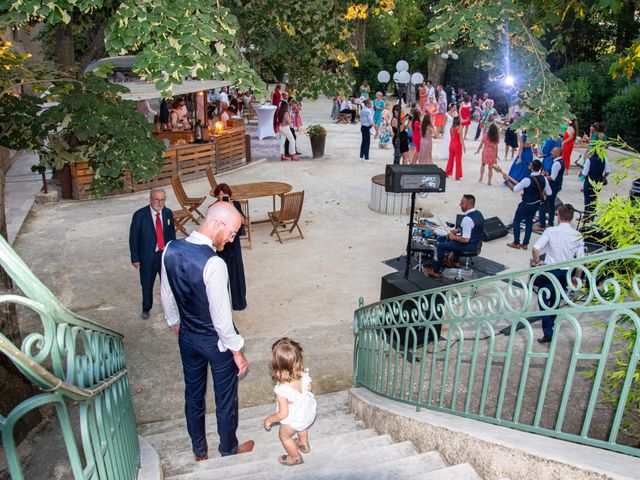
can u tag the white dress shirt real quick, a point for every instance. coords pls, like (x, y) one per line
(555, 168)
(223, 97)
(366, 117)
(215, 278)
(561, 244)
(525, 182)
(466, 225)
(346, 105)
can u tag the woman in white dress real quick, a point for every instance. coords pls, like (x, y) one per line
(443, 153)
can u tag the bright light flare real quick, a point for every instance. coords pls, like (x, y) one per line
(509, 81)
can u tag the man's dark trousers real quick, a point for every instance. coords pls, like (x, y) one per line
(547, 211)
(148, 274)
(525, 212)
(544, 282)
(366, 141)
(450, 246)
(198, 351)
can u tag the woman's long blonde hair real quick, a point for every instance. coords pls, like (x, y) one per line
(286, 362)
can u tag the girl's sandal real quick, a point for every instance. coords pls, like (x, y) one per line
(303, 448)
(284, 460)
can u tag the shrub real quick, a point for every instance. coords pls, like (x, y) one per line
(316, 131)
(621, 116)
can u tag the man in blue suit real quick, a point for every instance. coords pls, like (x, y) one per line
(152, 227)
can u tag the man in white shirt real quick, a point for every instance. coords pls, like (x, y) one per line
(430, 90)
(366, 122)
(197, 307)
(347, 107)
(223, 97)
(561, 244)
(594, 173)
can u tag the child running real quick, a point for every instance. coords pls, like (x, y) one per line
(296, 404)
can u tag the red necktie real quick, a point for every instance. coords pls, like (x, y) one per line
(159, 234)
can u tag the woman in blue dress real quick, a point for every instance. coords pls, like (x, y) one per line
(378, 108)
(520, 166)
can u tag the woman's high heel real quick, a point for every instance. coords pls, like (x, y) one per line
(294, 158)
(282, 158)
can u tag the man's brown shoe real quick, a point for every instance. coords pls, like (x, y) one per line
(245, 447)
(199, 459)
(431, 272)
(539, 229)
(451, 263)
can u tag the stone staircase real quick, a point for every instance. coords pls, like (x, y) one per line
(341, 449)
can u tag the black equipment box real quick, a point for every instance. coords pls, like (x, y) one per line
(414, 179)
(494, 228)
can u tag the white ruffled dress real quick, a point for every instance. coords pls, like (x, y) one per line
(303, 406)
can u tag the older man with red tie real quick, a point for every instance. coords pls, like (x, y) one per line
(151, 229)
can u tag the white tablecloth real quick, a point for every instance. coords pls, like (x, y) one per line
(265, 121)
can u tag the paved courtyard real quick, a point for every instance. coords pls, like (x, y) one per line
(306, 289)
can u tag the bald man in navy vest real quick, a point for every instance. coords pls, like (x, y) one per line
(197, 306)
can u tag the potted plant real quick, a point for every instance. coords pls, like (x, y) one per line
(317, 135)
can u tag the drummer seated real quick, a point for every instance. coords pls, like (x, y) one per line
(467, 238)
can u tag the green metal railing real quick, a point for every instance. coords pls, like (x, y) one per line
(71, 360)
(486, 364)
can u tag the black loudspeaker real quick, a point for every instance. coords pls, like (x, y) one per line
(494, 228)
(414, 179)
(394, 285)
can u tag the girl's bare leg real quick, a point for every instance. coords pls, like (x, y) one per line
(303, 437)
(289, 444)
(482, 172)
(489, 175)
(377, 131)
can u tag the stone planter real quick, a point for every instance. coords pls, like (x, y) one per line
(317, 146)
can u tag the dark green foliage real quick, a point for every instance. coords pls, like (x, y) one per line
(622, 116)
(369, 66)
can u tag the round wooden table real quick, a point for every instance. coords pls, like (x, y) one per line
(245, 191)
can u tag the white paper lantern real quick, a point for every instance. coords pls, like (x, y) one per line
(444, 55)
(417, 78)
(395, 77)
(383, 76)
(404, 77)
(454, 56)
(402, 66)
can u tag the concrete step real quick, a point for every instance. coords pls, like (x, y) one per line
(329, 461)
(267, 446)
(462, 471)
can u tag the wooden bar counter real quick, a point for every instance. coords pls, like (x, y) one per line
(225, 151)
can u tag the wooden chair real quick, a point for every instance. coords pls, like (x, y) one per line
(289, 214)
(244, 205)
(181, 218)
(212, 179)
(191, 204)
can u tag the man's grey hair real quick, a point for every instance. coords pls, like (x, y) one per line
(157, 190)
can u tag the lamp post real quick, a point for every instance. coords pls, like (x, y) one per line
(402, 79)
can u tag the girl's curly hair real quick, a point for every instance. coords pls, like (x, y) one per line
(286, 362)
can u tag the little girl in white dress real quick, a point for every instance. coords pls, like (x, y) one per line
(296, 405)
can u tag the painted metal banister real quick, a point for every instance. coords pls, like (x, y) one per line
(71, 360)
(487, 364)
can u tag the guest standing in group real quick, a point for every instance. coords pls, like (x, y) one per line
(365, 90)
(284, 121)
(440, 117)
(415, 134)
(426, 141)
(384, 140)
(465, 115)
(489, 116)
(568, 141)
(456, 148)
(422, 93)
(595, 170)
(560, 244)
(152, 227)
(446, 139)
(378, 108)
(400, 132)
(489, 146)
(347, 107)
(232, 253)
(555, 177)
(511, 137)
(296, 109)
(276, 98)
(533, 188)
(196, 306)
(179, 117)
(520, 166)
(366, 122)
(547, 148)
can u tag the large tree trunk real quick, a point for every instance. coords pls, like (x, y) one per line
(362, 34)
(437, 67)
(14, 386)
(64, 47)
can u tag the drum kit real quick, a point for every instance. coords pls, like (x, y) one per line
(424, 241)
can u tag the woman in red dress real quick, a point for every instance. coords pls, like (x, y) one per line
(456, 147)
(568, 140)
(465, 115)
(276, 98)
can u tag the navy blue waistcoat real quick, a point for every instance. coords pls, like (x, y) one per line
(596, 169)
(477, 232)
(531, 194)
(556, 185)
(184, 263)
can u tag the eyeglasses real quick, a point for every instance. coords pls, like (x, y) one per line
(233, 234)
